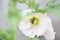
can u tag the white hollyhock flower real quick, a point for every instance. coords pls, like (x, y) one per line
(36, 24)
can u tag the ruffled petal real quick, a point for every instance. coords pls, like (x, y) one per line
(27, 32)
(49, 34)
(40, 31)
(24, 25)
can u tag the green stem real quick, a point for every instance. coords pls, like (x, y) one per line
(33, 38)
(13, 18)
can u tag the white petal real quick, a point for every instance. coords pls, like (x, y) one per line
(40, 31)
(49, 34)
(32, 35)
(24, 24)
(21, 6)
(26, 28)
(27, 32)
(49, 24)
(27, 11)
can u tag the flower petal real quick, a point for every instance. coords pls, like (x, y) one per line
(49, 34)
(26, 12)
(27, 32)
(24, 24)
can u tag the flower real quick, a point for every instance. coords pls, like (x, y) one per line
(36, 24)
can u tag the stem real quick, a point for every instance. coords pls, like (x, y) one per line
(33, 38)
(13, 18)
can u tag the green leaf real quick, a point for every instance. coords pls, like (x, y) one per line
(36, 6)
(50, 3)
(41, 11)
(5, 34)
(32, 4)
(55, 10)
(53, 7)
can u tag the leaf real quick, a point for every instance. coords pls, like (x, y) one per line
(30, 3)
(4, 35)
(7, 34)
(36, 6)
(54, 8)
(41, 11)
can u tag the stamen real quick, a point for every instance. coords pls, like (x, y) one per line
(32, 20)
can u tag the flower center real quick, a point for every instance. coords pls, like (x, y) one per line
(34, 20)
